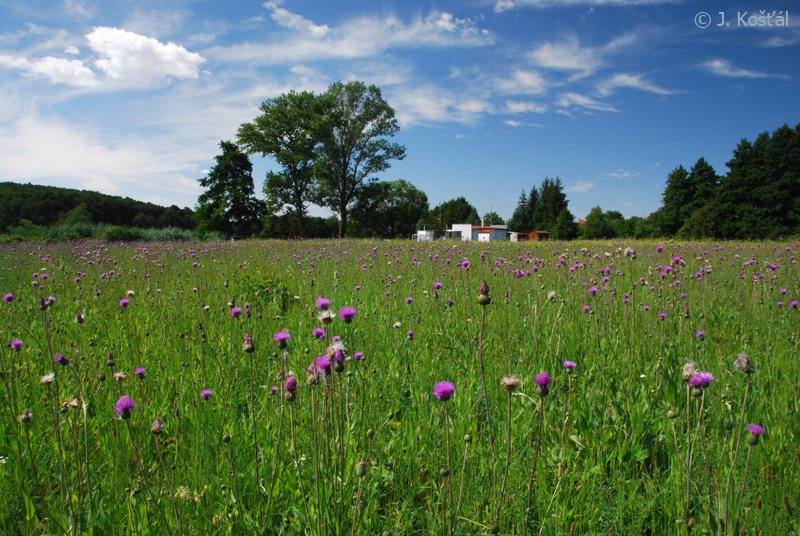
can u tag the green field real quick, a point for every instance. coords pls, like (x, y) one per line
(606, 453)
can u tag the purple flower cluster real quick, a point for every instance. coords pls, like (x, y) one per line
(444, 390)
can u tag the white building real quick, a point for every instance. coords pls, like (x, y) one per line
(482, 233)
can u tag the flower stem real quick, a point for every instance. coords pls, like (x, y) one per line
(744, 485)
(533, 469)
(736, 455)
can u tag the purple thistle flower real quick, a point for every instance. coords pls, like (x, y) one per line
(409, 300)
(358, 355)
(236, 312)
(592, 290)
(205, 394)
(451, 303)
(336, 338)
(347, 313)
(61, 360)
(358, 287)
(755, 429)
(484, 291)
(9, 297)
(124, 406)
(794, 303)
(290, 385)
(124, 302)
(701, 379)
(410, 334)
(701, 333)
(543, 379)
(586, 308)
(444, 390)
(569, 364)
(323, 303)
(319, 333)
(437, 285)
(323, 363)
(139, 372)
(16, 344)
(281, 337)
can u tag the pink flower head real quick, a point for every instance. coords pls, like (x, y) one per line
(9, 297)
(124, 406)
(282, 336)
(205, 394)
(236, 312)
(569, 364)
(543, 379)
(16, 344)
(290, 385)
(323, 303)
(444, 390)
(139, 372)
(124, 302)
(318, 333)
(755, 429)
(701, 379)
(347, 313)
(358, 355)
(437, 285)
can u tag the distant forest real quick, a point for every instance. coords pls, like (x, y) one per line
(48, 205)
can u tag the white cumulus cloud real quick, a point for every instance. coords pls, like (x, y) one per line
(139, 60)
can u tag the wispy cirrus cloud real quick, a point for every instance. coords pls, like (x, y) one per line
(431, 104)
(622, 174)
(566, 101)
(580, 186)
(358, 38)
(505, 5)
(623, 80)
(726, 68)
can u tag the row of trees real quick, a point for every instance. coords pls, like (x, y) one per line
(329, 147)
(759, 196)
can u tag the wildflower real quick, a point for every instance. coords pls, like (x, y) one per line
(444, 390)
(483, 296)
(450, 303)
(323, 303)
(110, 360)
(61, 360)
(755, 431)
(79, 318)
(510, 383)
(586, 308)
(551, 295)
(319, 333)
(397, 325)
(744, 364)
(47, 379)
(689, 370)
(205, 394)
(9, 297)
(701, 379)
(437, 285)
(130, 293)
(409, 300)
(139, 372)
(236, 312)
(25, 418)
(16, 344)
(794, 303)
(592, 290)
(358, 356)
(120, 376)
(157, 427)
(568, 366)
(124, 406)
(124, 303)
(281, 337)
(347, 313)
(410, 335)
(325, 316)
(290, 385)
(700, 334)
(542, 380)
(248, 345)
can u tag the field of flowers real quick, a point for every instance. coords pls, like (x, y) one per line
(371, 387)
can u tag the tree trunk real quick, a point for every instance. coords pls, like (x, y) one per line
(342, 221)
(300, 221)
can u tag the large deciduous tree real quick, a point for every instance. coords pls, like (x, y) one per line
(353, 134)
(288, 131)
(229, 205)
(389, 209)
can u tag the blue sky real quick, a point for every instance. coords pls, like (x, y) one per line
(132, 98)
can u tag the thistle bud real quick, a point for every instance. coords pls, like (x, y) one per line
(444, 472)
(248, 345)
(289, 396)
(157, 427)
(226, 438)
(361, 470)
(752, 440)
(671, 415)
(467, 438)
(370, 433)
(110, 360)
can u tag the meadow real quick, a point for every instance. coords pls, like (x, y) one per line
(273, 387)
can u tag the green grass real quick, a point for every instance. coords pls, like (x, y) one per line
(612, 467)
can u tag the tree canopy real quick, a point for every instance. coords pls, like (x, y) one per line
(229, 204)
